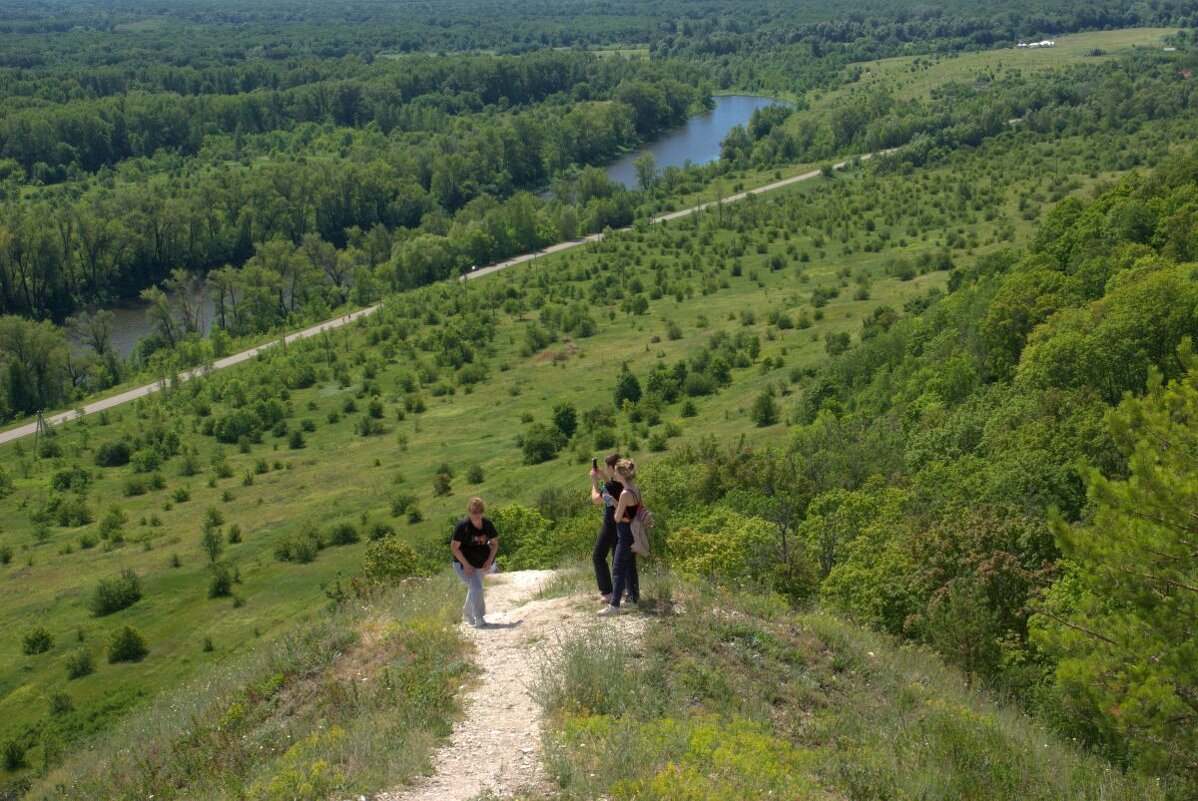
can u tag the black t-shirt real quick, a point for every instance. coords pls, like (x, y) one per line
(611, 498)
(476, 543)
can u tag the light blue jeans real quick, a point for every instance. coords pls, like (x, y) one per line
(475, 607)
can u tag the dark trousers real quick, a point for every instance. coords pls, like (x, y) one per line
(624, 568)
(604, 546)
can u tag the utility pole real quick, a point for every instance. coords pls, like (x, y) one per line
(39, 432)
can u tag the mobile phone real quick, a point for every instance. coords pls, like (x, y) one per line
(594, 463)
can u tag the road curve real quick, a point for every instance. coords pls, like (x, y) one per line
(140, 392)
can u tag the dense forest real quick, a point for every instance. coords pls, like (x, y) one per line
(946, 394)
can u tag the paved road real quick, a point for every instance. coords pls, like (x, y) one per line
(675, 215)
(125, 397)
(140, 392)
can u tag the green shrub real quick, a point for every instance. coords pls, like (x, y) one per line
(765, 410)
(389, 560)
(114, 521)
(220, 581)
(126, 645)
(526, 538)
(402, 503)
(71, 512)
(80, 664)
(368, 426)
(301, 547)
(541, 443)
(379, 531)
(343, 534)
(474, 474)
(61, 704)
(5, 554)
(113, 595)
(112, 454)
(237, 424)
(73, 478)
(14, 755)
(37, 640)
(146, 460)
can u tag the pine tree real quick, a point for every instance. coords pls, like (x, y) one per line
(1124, 615)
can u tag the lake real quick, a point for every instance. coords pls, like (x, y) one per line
(698, 141)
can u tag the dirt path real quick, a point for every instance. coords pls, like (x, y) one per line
(497, 746)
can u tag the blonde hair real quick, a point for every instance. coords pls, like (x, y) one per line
(626, 468)
(475, 505)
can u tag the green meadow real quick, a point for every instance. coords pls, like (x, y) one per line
(917, 77)
(738, 270)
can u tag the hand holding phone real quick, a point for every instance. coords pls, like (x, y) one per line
(594, 463)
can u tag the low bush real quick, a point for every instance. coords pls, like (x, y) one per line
(389, 560)
(80, 664)
(343, 534)
(300, 547)
(37, 640)
(113, 454)
(126, 645)
(113, 595)
(220, 581)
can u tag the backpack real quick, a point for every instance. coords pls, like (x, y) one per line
(641, 524)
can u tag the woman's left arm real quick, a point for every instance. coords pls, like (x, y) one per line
(622, 506)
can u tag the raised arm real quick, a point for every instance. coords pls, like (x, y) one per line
(596, 489)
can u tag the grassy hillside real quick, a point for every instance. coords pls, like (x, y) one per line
(733, 271)
(271, 491)
(733, 696)
(396, 422)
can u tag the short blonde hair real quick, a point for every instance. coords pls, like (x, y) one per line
(475, 505)
(626, 468)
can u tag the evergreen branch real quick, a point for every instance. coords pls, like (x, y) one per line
(1074, 626)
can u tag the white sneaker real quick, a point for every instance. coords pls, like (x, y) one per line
(609, 610)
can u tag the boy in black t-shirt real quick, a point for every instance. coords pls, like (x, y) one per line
(474, 544)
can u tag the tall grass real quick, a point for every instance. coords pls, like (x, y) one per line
(732, 699)
(351, 703)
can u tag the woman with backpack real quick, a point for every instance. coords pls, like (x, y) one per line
(607, 493)
(624, 563)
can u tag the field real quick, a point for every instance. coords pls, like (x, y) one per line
(435, 399)
(271, 491)
(916, 77)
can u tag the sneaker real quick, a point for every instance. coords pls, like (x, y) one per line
(609, 610)
(605, 598)
(480, 623)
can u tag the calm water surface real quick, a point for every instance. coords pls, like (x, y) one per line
(698, 141)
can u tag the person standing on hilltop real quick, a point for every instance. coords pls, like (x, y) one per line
(474, 544)
(607, 493)
(625, 560)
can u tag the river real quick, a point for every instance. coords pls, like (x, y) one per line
(698, 141)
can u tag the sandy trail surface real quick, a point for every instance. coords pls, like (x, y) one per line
(497, 746)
